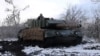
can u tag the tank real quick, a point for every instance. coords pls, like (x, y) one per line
(51, 32)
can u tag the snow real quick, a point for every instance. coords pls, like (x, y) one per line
(89, 40)
(30, 49)
(62, 51)
(9, 39)
(0, 47)
(6, 53)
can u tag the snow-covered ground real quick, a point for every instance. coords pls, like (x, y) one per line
(79, 50)
(9, 39)
(6, 53)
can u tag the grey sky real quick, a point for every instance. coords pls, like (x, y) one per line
(49, 8)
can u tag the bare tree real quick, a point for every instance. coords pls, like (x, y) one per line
(96, 30)
(74, 15)
(93, 29)
(14, 17)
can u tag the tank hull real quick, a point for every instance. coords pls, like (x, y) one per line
(49, 38)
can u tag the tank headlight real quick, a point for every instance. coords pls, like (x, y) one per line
(78, 33)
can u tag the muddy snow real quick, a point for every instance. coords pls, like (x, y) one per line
(78, 50)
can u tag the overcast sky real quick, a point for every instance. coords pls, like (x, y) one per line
(49, 8)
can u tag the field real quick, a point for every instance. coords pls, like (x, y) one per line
(25, 49)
